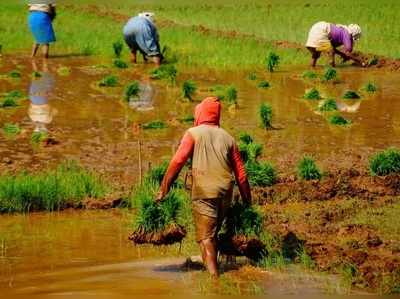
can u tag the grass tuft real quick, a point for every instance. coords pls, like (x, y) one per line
(154, 125)
(118, 47)
(132, 90)
(9, 102)
(264, 84)
(15, 74)
(231, 95)
(312, 94)
(165, 72)
(261, 174)
(189, 89)
(272, 61)
(265, 112)
(309, 75)
(252, 76)
(38, 137)
(329, 75)
(385, 162)
(327, 105)
(119, 63)
(36, 75)
(370, 87)
(108, 81)
(307, 169)
(339, 120)
(350, 94)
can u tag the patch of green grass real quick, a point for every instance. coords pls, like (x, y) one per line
(327, 105)
(272, 61)
(64, 71)
(165, 72)
(339, 120)
(108, 81)
(385, 162)
(348, 273)
(15, 74)
(305, 259)
(49, 190)
(261, 174)
(118, 47)
(132, 90)
(330, 74)
(370, 87)
(309, 75)
(350, 94)
(154, 125)
(312, 94)
(264, 84)
(10, 129)
(189, 89)
(307, 169)
(119, 63)
(265, 112)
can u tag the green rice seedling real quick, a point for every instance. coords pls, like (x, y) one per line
(305, 259)
(187, 119)
(265, 112)
(347, 273)
(245, 138)
(339, 120)
(64, 71)
(385, 162)
(327, 105)
(309, 75)
(132, 90)
(108, 81)
(9, 102)
(156, 174)
(261, 174)
(312, 94)
(154, 125)
(118, 47)
(165, 72)
(231, 95)
(38, 137)
(252, 76)
(264, 84)
(307, 169)
(10, 129)
(36, 75)
(15, 74)
(245, 220)
(329, 75)
(249, 150)
(15, 94)
(188, 89)
(350, 94)
(370, 87)
(119, 63)
(272, 61)
(373, 61)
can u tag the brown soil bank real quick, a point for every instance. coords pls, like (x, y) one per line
(325, 217)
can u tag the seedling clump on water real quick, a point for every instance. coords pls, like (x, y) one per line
(188, 89)
(385, 162)
(272, 61)
(117, 47)
(109, 81)
(14, 74)
(252, 76)
(11, 129)
(132, 90)
(38, 137)
(329, 75)
(36, 75)
(308, 170)
(15, 94)
(350, 94)
(231, 95)
(226, 93)
(9, 102)
(264, 84)
(370, 87)
(154, 125)
(312, 94)
(165, 72)
(266, 115)
(339, 120)
(327, 105)
(309, 75)
(119, 63)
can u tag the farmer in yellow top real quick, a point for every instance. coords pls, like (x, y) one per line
(327, 37)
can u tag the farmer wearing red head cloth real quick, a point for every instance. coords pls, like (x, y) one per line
(215, 157)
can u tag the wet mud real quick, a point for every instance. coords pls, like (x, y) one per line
(171, 235)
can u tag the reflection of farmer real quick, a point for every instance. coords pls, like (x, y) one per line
(214, 156)
(141, 35)
(40, 24)
(144, 100)
(326, 37)
(40, 111)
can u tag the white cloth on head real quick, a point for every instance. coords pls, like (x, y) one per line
(319, 35)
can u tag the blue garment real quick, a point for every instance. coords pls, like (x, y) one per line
(141, 34)
(41, 27)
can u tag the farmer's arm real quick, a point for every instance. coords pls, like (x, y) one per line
(240, 174)
(183, 153)
(348, 49)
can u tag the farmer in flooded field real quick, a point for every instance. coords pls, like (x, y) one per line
(215, 156)
(327, 37)
(41, 16)
(140, 34)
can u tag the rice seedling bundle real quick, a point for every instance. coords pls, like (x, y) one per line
(188, 89)
(339, 120)
(307, 169)
(108, 81)
(265, 112)
(11, 129)
(309, 75)
(132, 90)
(272, 61)
(329, 75)
(385, 162)
(312, 94)
(370, 87)
(327, 105)
(118, 47)
(350, 94)
(119, 63)
(165, 72)
(264, 84)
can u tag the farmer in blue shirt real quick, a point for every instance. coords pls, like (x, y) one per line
(141, 35)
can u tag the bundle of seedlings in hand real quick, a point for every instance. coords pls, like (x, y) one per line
(188, 89)
(350, 94)
(329, 75)
(266, 115)
(240, 235)
(385, 162)
(108, 81)
(158, 223)
(119, 63)
(309, 75)
(117, 47)
(312, 94)
(272, 61)
(11, 129)
(14, 74)
(264, 84)
(327, 105)
(165, 72)
(370, 87)
(339, 120)
(307, 169)
(153, 125)
(132, 90)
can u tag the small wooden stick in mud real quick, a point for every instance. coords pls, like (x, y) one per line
(140, 162)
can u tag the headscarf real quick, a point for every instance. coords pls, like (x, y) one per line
(147, 15)
(353, 29)
(208, 112)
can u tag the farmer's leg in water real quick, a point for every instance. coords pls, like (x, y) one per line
(315, 55)
(45, 50)
(208, 249)
(157, 60)
(333, 63)
(133, 56)
(35, 48)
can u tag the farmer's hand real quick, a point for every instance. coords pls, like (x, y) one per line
(159, 197)
(363, 64)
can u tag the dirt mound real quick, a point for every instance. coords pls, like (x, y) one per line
(173, 234)
(240, 245)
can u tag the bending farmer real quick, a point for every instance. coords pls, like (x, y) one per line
(40, 21)
(141, 35)
(327, 37)
(215, 156)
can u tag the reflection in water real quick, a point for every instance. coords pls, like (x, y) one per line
(40, 112)
(144, 100)
(344, 107)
